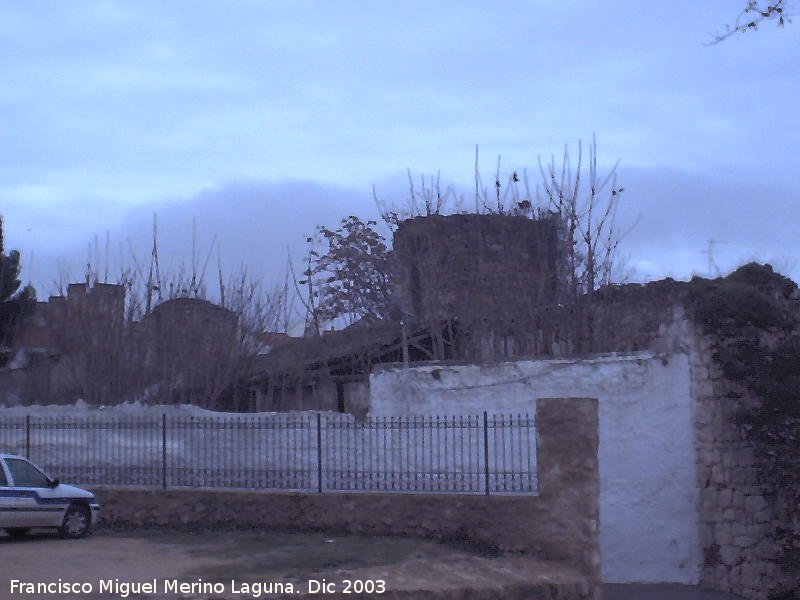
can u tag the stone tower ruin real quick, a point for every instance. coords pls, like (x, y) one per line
(492, 277)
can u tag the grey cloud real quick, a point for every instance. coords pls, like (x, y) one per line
(254, 223)
(680, 211)
(675, 213)
(110, 105)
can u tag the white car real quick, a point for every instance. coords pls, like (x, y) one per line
(29, 498)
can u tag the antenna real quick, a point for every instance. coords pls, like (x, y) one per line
(88, 264)
(477, 179)
(96, 260)
(710, 251)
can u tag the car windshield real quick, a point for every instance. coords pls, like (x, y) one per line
(3, 480)
(24, 474)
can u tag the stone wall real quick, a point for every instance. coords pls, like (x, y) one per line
(558, 525)
(472, 267)
(736, 523)
(632, 317)
(733, 523)
(493, 278)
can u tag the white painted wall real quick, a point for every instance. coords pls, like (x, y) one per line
(648, 492)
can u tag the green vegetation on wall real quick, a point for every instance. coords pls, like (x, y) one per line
(753, 314)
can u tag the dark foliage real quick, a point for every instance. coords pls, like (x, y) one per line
(749, 297)
(14, 300)
(739, 310)
(763, 278)
(351, 275)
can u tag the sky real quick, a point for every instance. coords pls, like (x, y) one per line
(250, 123)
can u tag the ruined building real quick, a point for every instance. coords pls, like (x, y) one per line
(459, 266)
(60, 340)
(191, 343)
(468, 286)
(673, 364)
(487, 281)
(84, 345)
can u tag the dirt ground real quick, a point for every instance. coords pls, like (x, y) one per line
(236, 559)
(208, 556)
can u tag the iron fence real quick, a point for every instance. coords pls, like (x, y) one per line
(464, 454)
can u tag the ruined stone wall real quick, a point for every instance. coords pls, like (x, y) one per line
(736, 523)
(464, 265)
(629, 318)
(492, 275)
(502, 284)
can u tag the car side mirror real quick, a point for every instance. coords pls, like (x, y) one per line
(53, 483)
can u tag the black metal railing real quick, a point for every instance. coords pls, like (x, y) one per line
(462, 454)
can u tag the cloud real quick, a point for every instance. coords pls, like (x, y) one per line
(678, 213)
(673, 214)
(253, 223)
(114, 110)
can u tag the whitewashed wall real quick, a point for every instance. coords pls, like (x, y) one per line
(648, 492)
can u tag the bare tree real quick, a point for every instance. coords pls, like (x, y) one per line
(571, 198)
(426, 199)
(157, 336)
(307, 288)
(754, 13)
(589, 211)
(586, 202)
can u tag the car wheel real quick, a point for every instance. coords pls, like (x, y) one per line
(76, 521)
(17, 532)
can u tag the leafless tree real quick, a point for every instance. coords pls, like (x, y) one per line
(754, 13)
(589, 211)
(586, 202)
(161, 338)
(426, 199)
(572, 195)
(306, 287)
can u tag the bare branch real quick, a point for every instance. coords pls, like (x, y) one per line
(751, 16)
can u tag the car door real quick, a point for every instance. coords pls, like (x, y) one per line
(35, 505)
(9, 504)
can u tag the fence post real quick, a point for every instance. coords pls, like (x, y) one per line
(164, 451)
(486, 450)
(319, 453)
(28, 437)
